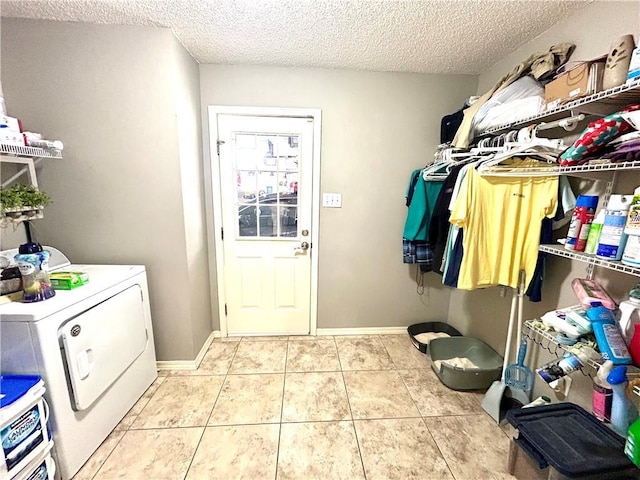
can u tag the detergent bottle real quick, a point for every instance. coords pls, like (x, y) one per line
(629, 317)
(610, 341)
(632, 445)
(631, 254)
(612, 236)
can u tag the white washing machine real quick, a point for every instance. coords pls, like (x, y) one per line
(92, 345)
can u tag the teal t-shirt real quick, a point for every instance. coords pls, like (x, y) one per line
(424, 198)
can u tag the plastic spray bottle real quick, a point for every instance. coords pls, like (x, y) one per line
(623, 412)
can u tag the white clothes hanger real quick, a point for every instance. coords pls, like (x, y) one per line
(547, 150)
(438, 171)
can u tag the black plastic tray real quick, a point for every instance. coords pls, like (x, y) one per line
(418, 328)
(570, 439)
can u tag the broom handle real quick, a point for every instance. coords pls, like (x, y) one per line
(520, 302)
(512, 318)
(517, 302)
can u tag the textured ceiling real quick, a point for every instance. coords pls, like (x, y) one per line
(453, 36)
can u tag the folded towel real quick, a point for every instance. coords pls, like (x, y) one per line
(428, 336)
(460, 362)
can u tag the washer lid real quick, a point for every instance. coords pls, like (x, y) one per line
(101, 277)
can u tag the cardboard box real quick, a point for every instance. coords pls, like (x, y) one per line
(68, 280)
(569, 85)
(10, 123)
(11, 137)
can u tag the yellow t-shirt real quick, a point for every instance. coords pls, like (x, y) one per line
(501, 218)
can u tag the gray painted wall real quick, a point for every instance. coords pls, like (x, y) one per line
(125, 101)
(484, 313)
(376, 128)
(189, 132)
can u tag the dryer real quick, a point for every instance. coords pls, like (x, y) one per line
(92, 345)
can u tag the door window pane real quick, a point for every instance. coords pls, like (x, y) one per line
(246, 186)
(267, 175)
(247, 224)
(268, 221)
(288, 221)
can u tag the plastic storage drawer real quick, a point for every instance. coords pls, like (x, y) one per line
(23, 422)
(41, 468)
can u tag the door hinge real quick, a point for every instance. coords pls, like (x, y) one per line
(222, 233)
(225, 309)
(218, 143)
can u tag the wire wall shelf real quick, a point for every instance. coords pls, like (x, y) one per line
(551, 169)
(599, 167)
(20, 215)
(32, 152)
(617, 96)
(548, 341)
(560, 251)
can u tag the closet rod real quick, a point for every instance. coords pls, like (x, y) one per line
(568, 123)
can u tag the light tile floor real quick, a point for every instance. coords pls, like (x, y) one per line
(304, 408)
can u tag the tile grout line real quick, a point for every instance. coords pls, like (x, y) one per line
(353, 423)
(425, 423)
(388, 354)
(124, 433)
(439, 449)
(284, 384)
(206, 423)
(106, 458)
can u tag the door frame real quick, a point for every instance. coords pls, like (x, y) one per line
(213, 203)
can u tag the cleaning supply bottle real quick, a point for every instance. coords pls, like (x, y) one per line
(634, 345)
(612, 237)
(575, 359)
(623, 412)
(581, 222)
(602, 393)
(631, 254)
(632, 225)
(629, 317)
(594, 232)
(632, 445)
(610, 341)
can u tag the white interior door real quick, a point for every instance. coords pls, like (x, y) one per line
(266, 202)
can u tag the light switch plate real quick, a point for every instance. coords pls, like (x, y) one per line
(332, 200)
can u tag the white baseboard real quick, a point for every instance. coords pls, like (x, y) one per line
(188, 364)
(362, 331)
